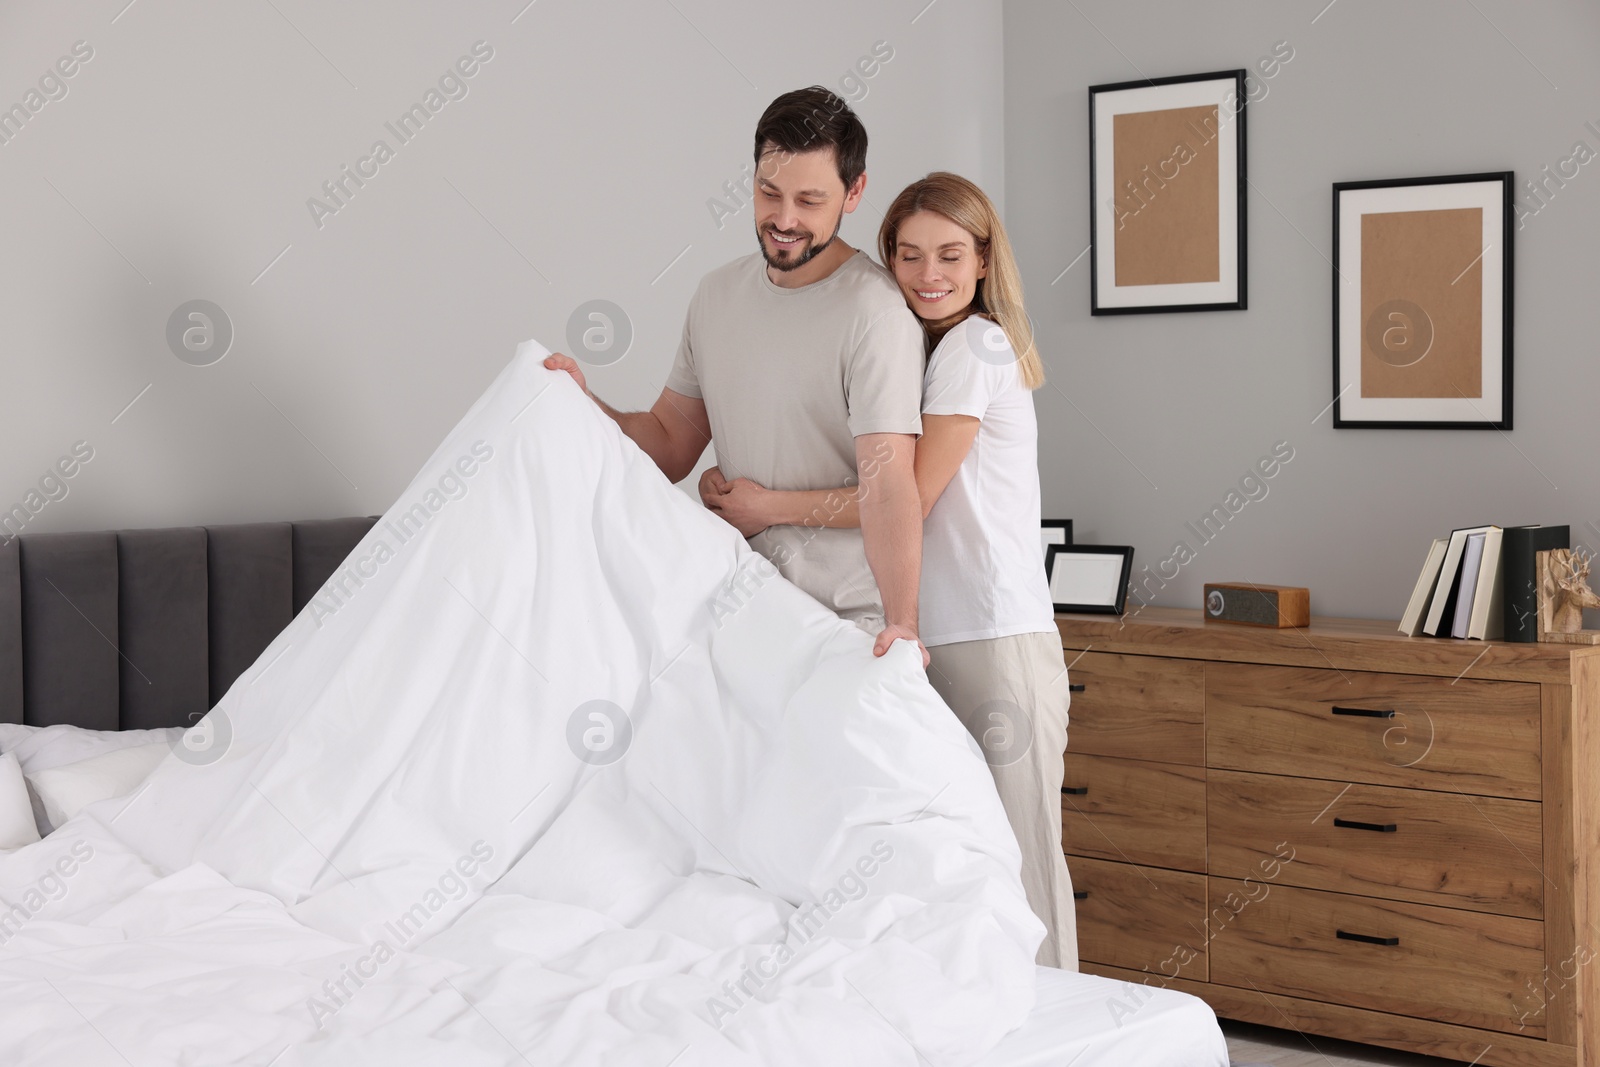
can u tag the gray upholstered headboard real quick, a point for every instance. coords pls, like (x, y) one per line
(134, 629)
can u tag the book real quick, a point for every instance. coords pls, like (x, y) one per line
(1441, 609)
(1467, 588)
(1488, 604)
(1519, 551)
(1411, 621)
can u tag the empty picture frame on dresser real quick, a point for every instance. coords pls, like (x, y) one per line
(1422, 308)
(1167, 194)
(1089, 578)
(1054, 532)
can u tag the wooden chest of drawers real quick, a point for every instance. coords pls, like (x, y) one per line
(1342, 831)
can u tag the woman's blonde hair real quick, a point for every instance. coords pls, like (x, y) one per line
(999, 295)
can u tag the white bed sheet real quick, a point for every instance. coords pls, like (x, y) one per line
(1088, 1021)
(554, 766)
(399, 852)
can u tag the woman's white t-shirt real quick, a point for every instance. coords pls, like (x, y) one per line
(982, 566)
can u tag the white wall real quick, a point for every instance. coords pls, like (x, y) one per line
(578, 166)
(1167, 411)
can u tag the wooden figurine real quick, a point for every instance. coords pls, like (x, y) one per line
(1563, 594)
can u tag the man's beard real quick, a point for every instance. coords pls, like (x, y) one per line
(812, 250)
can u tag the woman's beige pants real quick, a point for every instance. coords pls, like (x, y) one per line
(1011, 695)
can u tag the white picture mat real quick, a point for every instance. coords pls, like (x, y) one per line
(1051, 535)
(1107, 105)
(1353, 203)
(1086, 578)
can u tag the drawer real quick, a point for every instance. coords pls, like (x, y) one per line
(1479, 853)
(1135, 812)
(1140, 918)
(1461, 736)
(1137, 707)
(1454, 966)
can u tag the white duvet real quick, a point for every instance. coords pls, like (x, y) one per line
(554, 770)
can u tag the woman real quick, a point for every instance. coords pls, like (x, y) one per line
(986, 615)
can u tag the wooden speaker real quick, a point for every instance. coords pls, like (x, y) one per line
(1258, 605)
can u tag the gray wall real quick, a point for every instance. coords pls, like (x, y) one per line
(179, 163)
(1148, 420)
(579, 165)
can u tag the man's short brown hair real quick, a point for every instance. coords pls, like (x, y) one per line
(805, 120)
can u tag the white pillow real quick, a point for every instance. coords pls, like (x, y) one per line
(17, 826)
(38, 748)
(68, 789)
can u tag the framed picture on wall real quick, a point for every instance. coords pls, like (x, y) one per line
(1167, 194)
(1089, 578)
(1422, 303)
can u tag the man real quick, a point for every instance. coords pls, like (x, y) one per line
(803, 366)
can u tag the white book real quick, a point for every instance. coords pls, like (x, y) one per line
(1411, 621)
(1488, 622)
(1471, 563)
(1437, 625)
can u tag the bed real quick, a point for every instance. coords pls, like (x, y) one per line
(145, 629)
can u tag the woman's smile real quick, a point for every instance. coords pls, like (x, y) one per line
(936, 265)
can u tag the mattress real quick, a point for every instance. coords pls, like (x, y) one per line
(1083, 1020)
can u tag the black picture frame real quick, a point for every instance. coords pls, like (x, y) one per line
(1047, 537)
(1501, 417)
(1240, 199)
(1118, 598)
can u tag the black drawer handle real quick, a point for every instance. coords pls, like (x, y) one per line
(1367, 938)
(1074, 687)
(1376, 827)
(1367, 713)
(1075, 790)
(1080, 894)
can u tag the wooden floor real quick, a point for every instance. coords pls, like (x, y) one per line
(1250, 1045)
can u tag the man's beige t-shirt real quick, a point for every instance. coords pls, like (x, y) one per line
(790, 377)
